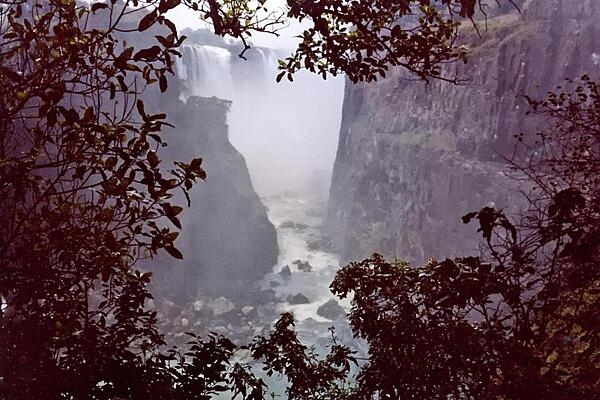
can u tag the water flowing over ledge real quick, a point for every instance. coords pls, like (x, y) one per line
(287, 131)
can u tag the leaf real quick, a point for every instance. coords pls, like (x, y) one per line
(174, 252)
(110, 162)
(121, 60)
(156, 138)
(196, 163)
(98, 6)
(147, 21)
(122, 85)
(171, 212)
(176, 210)
(175, 221)
(166, 5)
(152, 158)
(162, 82)
(468, 217)
(140, 108)
(166, 42)
(89, 115)
(171, 26)
(172, 236)
(147, 54)
(280, 76)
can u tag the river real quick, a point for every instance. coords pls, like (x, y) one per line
(298, 219)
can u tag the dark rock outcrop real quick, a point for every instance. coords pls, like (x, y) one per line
(298, 298)
(331, 310)
(285, 271)
(227, 240)
(303, 265)
(413, 158)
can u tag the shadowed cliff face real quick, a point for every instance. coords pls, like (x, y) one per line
(227, 240)
(413, 158)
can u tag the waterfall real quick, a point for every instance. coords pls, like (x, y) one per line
(205, 71)
(287, 132)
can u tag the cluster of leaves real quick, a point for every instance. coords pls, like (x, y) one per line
(362, 39)
(308, 376)
(421, 343)
(84, 196)
(236, 18)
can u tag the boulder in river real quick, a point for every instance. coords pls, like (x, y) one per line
(265, 297)
(221, 305)
(331, 310)
(303, 265)
(298, 299)
(285, 271)
(274, 283)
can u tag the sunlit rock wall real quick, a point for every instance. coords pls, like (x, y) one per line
(413, 158)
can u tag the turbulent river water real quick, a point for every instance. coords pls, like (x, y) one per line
(297, 219)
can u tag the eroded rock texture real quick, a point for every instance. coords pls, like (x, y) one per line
(413, 158)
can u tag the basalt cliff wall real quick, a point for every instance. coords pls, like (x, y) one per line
(414, 157)
(227, 240)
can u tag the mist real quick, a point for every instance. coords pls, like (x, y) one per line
(286, 131)
(252, 237)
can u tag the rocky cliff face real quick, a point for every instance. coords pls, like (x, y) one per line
(413, 158)
(227, 240)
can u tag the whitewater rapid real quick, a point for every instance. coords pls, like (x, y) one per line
(298, 219)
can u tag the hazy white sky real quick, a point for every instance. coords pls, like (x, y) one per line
(185, 18)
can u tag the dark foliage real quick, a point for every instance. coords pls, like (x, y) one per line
(85, 199)
(363, 38)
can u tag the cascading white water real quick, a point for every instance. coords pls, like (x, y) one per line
(287, 132)
(206, 71)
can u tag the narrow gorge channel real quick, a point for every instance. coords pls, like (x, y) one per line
(267, 145)
(411, 160)
(301, 279)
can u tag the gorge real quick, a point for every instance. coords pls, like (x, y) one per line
(412, 157)
(231, 278)
(412, 212)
